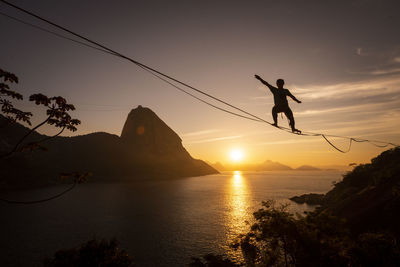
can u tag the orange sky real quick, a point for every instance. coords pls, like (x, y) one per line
(340, 58)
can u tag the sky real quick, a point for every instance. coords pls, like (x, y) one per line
(340, 58)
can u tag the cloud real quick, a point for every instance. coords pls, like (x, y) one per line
(215, 139)
(356, 132)
(290, 141)
(359, 108)
(197, 133)
(370, 87)
(260, 97)
(384, 71)
(363, 109)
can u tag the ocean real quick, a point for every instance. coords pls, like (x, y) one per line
(159, 223)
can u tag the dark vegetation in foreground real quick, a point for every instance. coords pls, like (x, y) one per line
(311, 199)
(16, 146)
(93, 253)
(357, 224)
(368, 197)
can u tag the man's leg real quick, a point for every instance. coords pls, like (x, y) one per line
(289, 115)
(275, 116)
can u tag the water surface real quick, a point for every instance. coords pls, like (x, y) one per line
(160, 223)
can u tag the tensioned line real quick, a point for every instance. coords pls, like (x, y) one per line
(171, 81)
(8, 201)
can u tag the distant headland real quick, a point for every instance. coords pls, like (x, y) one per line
(147, 149)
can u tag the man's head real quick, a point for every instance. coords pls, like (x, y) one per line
(280, 83)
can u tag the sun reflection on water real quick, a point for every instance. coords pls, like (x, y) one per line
(238, 206)
(237, 178)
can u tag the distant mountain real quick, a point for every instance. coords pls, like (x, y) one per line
(336, 167)
(146, 135)
(267, 165)
(147, 149)
(368, 197)
(218, 166)
(307, 168)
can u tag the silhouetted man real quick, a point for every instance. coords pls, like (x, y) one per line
(281, 103)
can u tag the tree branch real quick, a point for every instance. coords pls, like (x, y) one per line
(51, 137)
(23, 138)
(40, 200)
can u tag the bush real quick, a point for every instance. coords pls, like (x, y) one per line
(93, 253)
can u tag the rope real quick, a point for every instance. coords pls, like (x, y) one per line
(40, 200)
(108, 52)
(115, 53)
(166, 78)
(205, 102)
(51, 32)
(335, 147)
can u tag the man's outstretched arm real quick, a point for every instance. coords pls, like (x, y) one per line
(293, 97)
(264, 82)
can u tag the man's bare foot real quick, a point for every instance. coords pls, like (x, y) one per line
(296, 131)
(275, 124)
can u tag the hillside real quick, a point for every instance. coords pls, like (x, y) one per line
(147, 149)
(368, 197)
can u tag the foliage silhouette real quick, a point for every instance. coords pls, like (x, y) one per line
(57, 110)
(278, 238)
(368, 197)
(93, 253)
(211, 260)
(13, 114)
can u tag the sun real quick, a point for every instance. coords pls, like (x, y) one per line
(236, 155)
